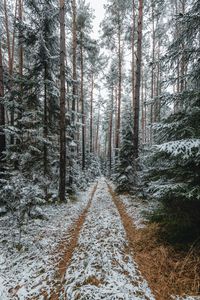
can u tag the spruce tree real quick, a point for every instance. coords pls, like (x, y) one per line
(124, 171)
(174, 162)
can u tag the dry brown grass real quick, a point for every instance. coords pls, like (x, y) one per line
(168, 271)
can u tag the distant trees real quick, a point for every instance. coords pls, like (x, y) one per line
(113, 35)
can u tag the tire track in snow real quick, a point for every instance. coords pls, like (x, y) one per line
(126, 220)
(68, 249)
(100, 267)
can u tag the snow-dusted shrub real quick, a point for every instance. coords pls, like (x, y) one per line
(20, 196)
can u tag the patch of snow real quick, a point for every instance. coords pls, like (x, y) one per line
(186, 148)
(3, 291)
(27, 265)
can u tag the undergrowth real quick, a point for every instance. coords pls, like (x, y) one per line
(179, 224)
(171, 267)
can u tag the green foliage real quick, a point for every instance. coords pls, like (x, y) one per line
(173, 164)
(179, 221)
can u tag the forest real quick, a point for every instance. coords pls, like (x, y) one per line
(99, 149)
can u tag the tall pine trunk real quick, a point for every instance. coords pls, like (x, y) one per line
(138, 82)
(2, 112)
(62, 182)
(91, 112)
(119, 90)
(133, 54)
(82, 105)
(20, 59)
(9, 63)
(97, 132)
(111, 132)
(152, 107)
(74, 62)
(45, 127)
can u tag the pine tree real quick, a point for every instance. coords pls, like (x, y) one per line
(124, 171)
(174, 163)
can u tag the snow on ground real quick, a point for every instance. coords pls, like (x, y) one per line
(26, 270)
(100, 267)
(187, 298)
(137, 208)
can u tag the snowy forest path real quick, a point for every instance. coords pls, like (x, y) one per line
(101, 266)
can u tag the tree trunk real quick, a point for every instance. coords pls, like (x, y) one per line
(143, 108)
(119, 90)
(2, 112)
(97, 133)
(45, 128)
(74, 63)
(7, 34)
(110, 133)
(13, 40)
(9, 64)
(91, 113)
(133, 55)
(20, 41)
(74, 134)
(138, 82)
(152, 73)
(116, 117)
(20, 57)
(82, 105)
(62, 182)
(176, 104)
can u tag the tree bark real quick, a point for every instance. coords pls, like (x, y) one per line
(97, 133)
(143, 108)
(110, 132)
(45, 128)
(13, 39)
(20, 58)
(20, 40)
(82, 104)
(7, 34)
(133, 55)
(152, 73)
(91, 112)
(2, 112)
(119, 90)
(138, 82)
(9, 64)
(62, 182)
(74, 62)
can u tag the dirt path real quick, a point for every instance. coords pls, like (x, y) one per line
(67, 250)
(101, 267)
(96, 262)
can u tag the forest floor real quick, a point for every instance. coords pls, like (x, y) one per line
(82, 250)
